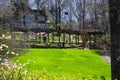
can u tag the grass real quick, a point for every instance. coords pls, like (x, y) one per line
(66, 61)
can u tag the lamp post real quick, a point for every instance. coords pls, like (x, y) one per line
(66, 13)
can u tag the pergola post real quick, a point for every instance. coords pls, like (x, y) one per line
(90, 41)
(48, 37)
(39, 37)
(94, 39)
(69, 38)
(35, 37)
(64, 37)
(78, 38)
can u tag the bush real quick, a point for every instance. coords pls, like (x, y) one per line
(18, 73)
(104, 41)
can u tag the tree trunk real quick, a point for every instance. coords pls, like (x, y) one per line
(84, 14)
(114, 11)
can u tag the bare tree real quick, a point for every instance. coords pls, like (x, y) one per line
(98, 12)
(6, 11)
(38, 4)
(80, 11)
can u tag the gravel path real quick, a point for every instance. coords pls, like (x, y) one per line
(106, 58)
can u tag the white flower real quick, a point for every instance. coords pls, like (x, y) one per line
(25, 72)
(4, 45)
(8, 52)
(8, 37)
(24, 79)
(17, 54)
(6, 60)
(13, 53)
(20, 64)
(23, 64)
(17, 60)
(3, 35)
(15, 65)
(1, 47)
(2, 63)
(19, 68)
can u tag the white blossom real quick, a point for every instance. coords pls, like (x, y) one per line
(2, 63)
(15, 65)
(4, 45)
(8, 37)
(23, 64)
(19, 68)
(3, 35)
(17, 54)
(25, 72)
(28, 63)
(13, 53)
(8, 52)
(1, 47)
(17, 60)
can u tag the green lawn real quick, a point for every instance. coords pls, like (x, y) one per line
(66, 61)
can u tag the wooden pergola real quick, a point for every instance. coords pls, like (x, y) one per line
(38, 30)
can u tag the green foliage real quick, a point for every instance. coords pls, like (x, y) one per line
(44, 9)
(105, 39)
(4, 48)
(17, 73)
(66, 61)
(2, 32)
(52, 26)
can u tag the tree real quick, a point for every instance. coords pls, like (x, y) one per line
(99, 14)
(80, 12)
(6, 12)
(114, 12)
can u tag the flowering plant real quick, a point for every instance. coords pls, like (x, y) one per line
(4, 47)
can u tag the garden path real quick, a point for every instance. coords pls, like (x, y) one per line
(106, 58)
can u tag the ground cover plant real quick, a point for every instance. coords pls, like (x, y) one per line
(68, 62)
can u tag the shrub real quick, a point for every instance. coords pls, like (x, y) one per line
(18, 73)
(104, 41)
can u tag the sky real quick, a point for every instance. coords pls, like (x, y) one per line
(4, 3)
